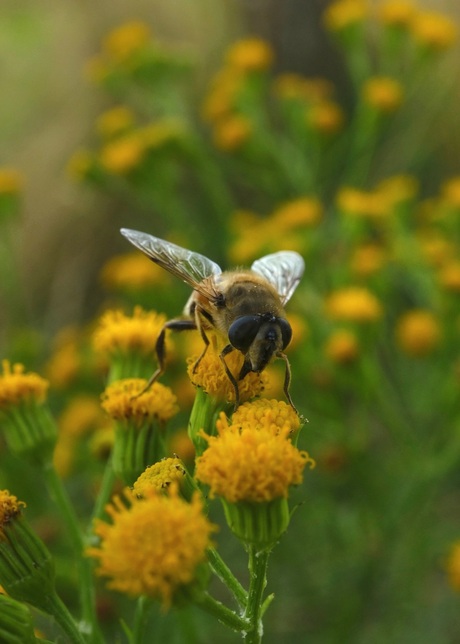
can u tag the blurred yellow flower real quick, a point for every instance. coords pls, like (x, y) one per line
(250, 54)
(131, 271)
(325, 116)
(450, 192)
(115, 121)
(294, 86)
(220, 99)
(398, 188)
(250, 462)
(153, 545)
(345, 13)
(122, 155)
(79, 164)
(398, 13)
(449, 276)
(434, 30)
(18, 387)
(11, 181)
(126, 39)
(181, 444)
(453, 566)
(129, 400)
(66, 359)
(82, 414)
(353, 304)
(342, 346)
(436, 249)
(367, 260)
(418, 332)
(303, 211)
(360, 203)
(232, 132)
(384, 93)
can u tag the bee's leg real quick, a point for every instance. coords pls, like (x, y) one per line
(287, 380)
(204, 337)
(160, 349)
(226, 350)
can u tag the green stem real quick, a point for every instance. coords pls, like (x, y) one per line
(56, 608)
(222, 613)
(105, 492)
(226, 576)
(140, 619)
(258, 562)
(87, 597)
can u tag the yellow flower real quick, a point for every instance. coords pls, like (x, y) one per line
(232, 132)
(344, 13)
(119, 333)
(384, 93)
(154, 545)
(10, 508)
(126, 39)
(131, 271)
(450, 191)
(418, 332)
(360, 203)
(294, 86)
(325, 116)
(368, 259)
(10, 181)
(271, 414)
(250, 463)
(342, 346)
(210, 375)
(398, 188)
(17, 387)
(251, 54)
(122, 155)
(82, 414)
(449, 276)
(453, 566)
(127, 400)
(80, 164)
(353, 304)
(114, 121)
(434, 30)
(436, 249)
(398, 13)
(66, 361)
(160, 476)
(304, 211)
(220, 100)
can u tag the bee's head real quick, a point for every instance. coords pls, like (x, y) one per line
(259, 338)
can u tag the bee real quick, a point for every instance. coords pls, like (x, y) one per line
(246, 307)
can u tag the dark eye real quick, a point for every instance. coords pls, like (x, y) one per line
(243, 331)
(286, 331)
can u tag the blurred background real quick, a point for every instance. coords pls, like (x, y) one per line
(381, 511)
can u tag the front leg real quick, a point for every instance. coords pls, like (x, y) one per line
(226, 350)
(287, 380)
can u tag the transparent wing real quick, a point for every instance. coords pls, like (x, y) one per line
(192, 268)
(283, 270)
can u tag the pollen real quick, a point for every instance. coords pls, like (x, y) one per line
(251, 463)
(129, 400)
(160, 476)
(10, 507)
(153, 545)
(271, 414)
(210, 375)
(18, 387)
(119, 333)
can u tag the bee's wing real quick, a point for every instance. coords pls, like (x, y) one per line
(283, 270)
(192, 268)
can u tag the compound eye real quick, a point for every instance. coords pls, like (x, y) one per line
(243, 332)
(286, 331)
